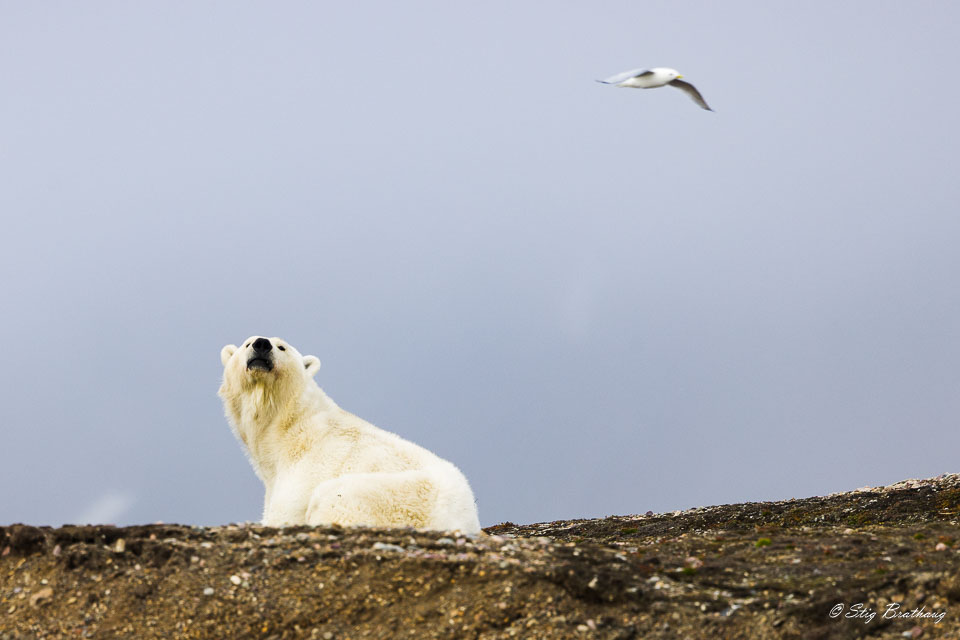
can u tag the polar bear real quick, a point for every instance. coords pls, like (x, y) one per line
(323, 465)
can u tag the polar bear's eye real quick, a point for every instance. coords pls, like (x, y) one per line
(247, 345)
(281, 347)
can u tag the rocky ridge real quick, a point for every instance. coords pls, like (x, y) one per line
(880, 562)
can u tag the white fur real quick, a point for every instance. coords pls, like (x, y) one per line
(323, 465)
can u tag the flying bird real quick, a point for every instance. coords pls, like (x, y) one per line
(656, 77)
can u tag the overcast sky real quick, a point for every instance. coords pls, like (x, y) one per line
(593, 300)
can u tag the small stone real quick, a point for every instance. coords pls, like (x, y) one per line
(56, 550)
(235, 580)
(693, 562)
(41, 596)
(327, 635)
(940, 547)
(208, 591)
(383, 546)
(445, 541)
(120, 546)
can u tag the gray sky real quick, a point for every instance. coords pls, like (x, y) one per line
(593, 300)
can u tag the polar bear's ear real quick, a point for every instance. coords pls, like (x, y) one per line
(227, 352)
(311, 364)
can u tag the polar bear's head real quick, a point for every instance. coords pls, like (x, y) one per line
(269, 365)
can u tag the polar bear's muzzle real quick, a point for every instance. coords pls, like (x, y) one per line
(260, 363)
(261, 359)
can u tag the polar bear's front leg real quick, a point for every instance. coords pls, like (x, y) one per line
(265, 520)
(401, 499)
(286, 500)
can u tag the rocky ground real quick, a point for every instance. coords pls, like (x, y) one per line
(872, 563)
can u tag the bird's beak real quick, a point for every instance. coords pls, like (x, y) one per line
(679, 76)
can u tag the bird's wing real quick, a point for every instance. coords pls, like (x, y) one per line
(626, 75)
(691, 91)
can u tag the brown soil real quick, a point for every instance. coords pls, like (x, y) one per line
(751, 571)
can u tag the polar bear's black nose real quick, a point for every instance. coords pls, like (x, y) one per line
(261, 345)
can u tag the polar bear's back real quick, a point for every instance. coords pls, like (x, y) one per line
(348, 444)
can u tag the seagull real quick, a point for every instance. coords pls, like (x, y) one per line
(656, 77)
